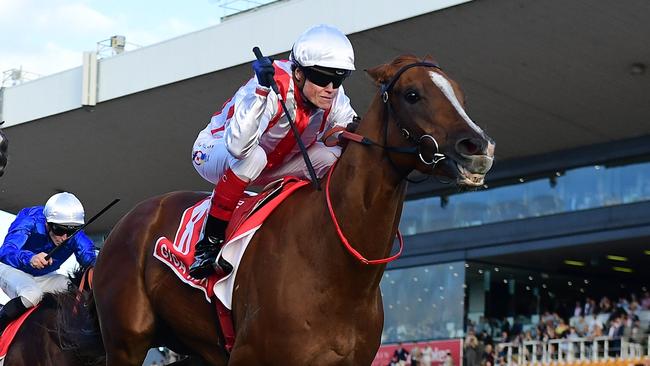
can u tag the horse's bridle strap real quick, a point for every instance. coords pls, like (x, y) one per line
(345, 241)
(351, 136)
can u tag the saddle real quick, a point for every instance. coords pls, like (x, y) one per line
(249, 214)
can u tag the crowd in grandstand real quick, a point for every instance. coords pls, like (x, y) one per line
(627, 318)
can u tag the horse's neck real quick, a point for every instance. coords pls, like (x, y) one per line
(367, 192)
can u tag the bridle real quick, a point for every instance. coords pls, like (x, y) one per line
(386, 88)
(416, 141)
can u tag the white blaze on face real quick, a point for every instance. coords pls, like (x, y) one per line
(445, 86)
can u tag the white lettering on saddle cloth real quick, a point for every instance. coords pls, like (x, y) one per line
(179, 255)
(188, 233)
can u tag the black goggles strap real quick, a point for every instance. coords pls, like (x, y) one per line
(59, 229)
(323, 79)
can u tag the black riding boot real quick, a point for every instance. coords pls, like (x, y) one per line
(13, 309)
(207, 248)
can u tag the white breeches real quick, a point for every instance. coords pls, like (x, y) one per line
(15, 282)
(217, 160)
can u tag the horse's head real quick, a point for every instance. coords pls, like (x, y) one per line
(427, 107)
(3, 151)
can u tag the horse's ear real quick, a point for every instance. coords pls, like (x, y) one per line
(378, 74)
(429, 58)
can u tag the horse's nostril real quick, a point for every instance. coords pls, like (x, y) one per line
(468, 147)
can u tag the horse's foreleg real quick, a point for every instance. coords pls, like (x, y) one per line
(131, 354)
(128, 336)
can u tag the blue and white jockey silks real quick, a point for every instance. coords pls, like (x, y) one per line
(26, 237)
(251, 134)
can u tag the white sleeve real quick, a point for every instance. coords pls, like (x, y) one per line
(255, 105)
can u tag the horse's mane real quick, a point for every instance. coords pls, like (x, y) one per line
(384, 72)
(77, 325)
(404, 60)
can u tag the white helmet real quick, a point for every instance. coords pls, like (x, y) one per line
(323, 45)
(65, 209)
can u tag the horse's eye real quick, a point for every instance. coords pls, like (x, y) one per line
(411, 96)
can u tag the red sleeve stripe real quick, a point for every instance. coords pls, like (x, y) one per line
(262, 92)
(275, 118)
(282, 78)
(231, 112)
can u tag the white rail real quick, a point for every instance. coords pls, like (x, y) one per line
(560, 351)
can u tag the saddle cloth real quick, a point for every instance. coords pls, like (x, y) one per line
(247, 218)
(9, 333)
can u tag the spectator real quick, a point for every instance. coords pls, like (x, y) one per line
(645, 301)
(485, 337)
(517, 327)
(528, 336)
(577, 310)
(616, 328)
(394, 361)
(636, 333)
(505, 326)
(561, 328)
(590, 306)
(622, 303)
(415, 355)
(427, 356)
(593, 323)
(483, 325)
(505, 337)
(605, 305)
(488, 355)
(472, 353)
(597, 331)
(547, 316)
(501, 353)
(572, 333)
(448, 360)
(634, 310)
(401, 353)
(581, 326)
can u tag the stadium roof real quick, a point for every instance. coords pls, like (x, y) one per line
(543, 77)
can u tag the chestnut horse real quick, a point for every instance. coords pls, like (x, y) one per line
(301, 297)
(62, 331)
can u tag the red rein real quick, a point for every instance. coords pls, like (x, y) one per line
(347, 245)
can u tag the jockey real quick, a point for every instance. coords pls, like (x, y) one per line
(25, 274)
(250, 139)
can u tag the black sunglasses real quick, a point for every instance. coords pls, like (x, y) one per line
(59, 229)
(325, 77)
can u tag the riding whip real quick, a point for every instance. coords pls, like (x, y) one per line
(296, 133)
(49, 255)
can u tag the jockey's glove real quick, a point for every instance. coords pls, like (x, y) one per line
(264, 71)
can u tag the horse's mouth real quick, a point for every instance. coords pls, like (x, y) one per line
(472, 169)
(467, 178)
